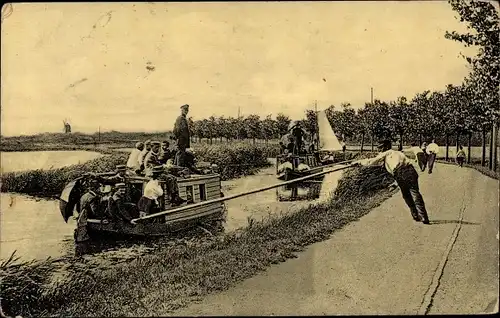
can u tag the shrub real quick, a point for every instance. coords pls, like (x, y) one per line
(51, 182)
(234, 160)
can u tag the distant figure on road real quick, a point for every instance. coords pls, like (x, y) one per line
(424, 149)
(397, 164)
(182, 135)
(460, 156)
(133, 160)
(419, 156)
(432, 151)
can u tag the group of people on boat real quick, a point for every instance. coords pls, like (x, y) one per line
(151, 161)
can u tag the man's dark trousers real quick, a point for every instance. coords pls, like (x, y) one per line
(407, 178)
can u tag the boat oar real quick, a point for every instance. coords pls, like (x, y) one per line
(234, 196)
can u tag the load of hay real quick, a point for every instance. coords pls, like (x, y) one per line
(361, 181)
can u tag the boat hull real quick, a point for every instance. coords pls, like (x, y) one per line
(195, 189)
(163, 225)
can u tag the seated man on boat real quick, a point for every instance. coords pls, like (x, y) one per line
(148, 203)
(121, 176)
(288, 143)
(144, 152)
(165, 152)
(190, 162)
(152, 158)
(118, 207)
(133, 160)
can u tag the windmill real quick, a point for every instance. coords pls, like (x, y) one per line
(67, 126)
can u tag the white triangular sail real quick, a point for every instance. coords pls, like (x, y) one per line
(327, 139)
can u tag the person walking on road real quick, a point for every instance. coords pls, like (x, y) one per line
(432, 151)
(398, 165)
(460, 156)
(425, 157)
(419, 156)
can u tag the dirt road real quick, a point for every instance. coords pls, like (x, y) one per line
(386, 263)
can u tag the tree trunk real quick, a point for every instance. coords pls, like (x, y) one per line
(469, 146)
(372, 141)
(490, 163)
(458, 140)
(420, 140)
(254, 141)
(362, 141)
(447, 145)
(401, 141)
(483, 148)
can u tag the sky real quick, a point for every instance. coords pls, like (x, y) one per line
(129, 67)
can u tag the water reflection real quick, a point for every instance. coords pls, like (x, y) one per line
(305, 190)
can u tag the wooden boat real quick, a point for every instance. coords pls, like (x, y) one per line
(196, 188)
(327, 144)
(287, 174)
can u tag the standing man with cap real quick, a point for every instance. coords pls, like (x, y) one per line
(398, 165)
(182, 134)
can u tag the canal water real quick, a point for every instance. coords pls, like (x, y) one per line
(35, 229)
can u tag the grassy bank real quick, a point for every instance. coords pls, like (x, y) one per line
(183, 271)
(234, 160)
(476, 165)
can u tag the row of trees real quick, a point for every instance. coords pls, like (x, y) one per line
(454, 112)
(230, 128)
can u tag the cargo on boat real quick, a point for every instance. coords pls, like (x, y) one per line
(297, 161)
(193, 189)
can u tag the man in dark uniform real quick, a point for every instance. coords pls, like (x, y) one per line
(89, 205)
(298, 135)
(182, 134)
(121, 176)
(118, 207)
(165, 152)
(397, 164)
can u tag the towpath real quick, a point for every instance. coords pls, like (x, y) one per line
(386, 263)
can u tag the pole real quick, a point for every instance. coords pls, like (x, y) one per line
(235, 196)
(495, 146)
(99, 136)
(492, 131)
(371, 94)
